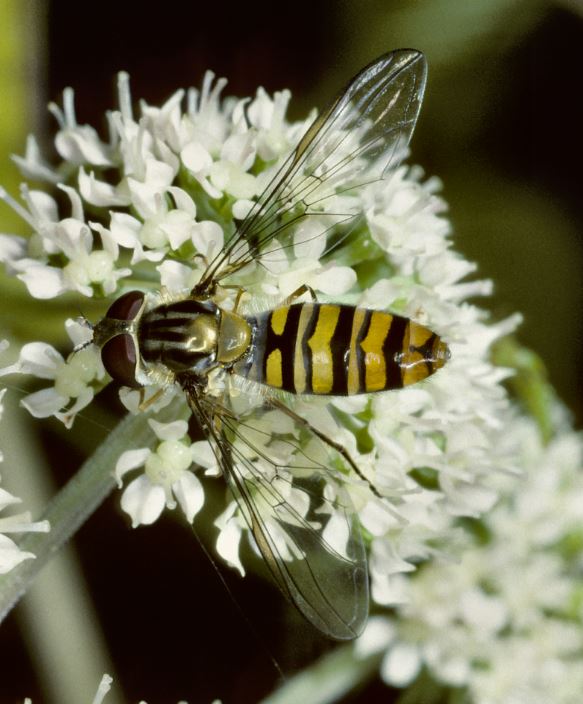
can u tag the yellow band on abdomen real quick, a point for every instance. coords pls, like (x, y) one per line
(375, 367)
(273, 371)
(319, 344)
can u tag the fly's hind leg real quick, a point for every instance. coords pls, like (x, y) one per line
(340, 449)
(304, 288)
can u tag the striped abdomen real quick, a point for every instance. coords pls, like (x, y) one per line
(321, 348)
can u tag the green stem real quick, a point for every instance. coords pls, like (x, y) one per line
(333, 676)
(72, 506)
(424, 690)
(530, 383)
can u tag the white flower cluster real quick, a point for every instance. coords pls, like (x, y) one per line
(10, 554)
(75, 380)
(506, 622)
(164, 191)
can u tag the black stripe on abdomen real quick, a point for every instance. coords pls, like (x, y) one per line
(340, 348)
(393, 345)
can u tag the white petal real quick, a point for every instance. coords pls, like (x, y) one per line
(176, 277)
(40, 359)
(190, 495)
(401, 665)
(11, 248)
(143, 501)
(81, 145)
(177, 226)
(130, 459)
(11, 555)
(146, 197)
(169, 431)
(335, 281)
(7, 499)
(377, 636)
(208, 238)
(78, 333)
(376, 518)
(99, 193)
(76, 204)
(110, 244)
(42, 281)
(208, 187)
(44, 403)
(228, 544)
(42, 206)
(309, 238)
(73, 237)
(183, 200)
(336, 534)
(389, 590)
(33, 166)
(196, 158)
(203, 455)
(125, 229)
(242, 208)
(81, 402)
(23, 523)
(159, 173)
(240, 149)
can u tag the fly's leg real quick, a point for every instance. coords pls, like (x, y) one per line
(240, 292)
(340, 449)
(304, 288)
(239, 295)
(146, 403)
(203, 259)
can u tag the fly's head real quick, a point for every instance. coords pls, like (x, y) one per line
(116, 336)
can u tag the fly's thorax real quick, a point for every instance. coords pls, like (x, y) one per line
(181, 335)
(193, 336)
(147, 339)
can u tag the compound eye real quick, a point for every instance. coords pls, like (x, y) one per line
(119, 358)
(127, 306)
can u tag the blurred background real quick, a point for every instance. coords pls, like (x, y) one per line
(501, 126)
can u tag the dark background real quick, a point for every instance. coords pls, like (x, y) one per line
(501, 125)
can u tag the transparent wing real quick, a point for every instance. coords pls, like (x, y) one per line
(361, 136)
(299, 514)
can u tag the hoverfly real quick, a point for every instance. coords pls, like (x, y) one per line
(296, 505)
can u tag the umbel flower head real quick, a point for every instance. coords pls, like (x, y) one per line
(504, 623)
(148, 205)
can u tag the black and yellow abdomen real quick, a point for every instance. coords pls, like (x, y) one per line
(330, 349)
